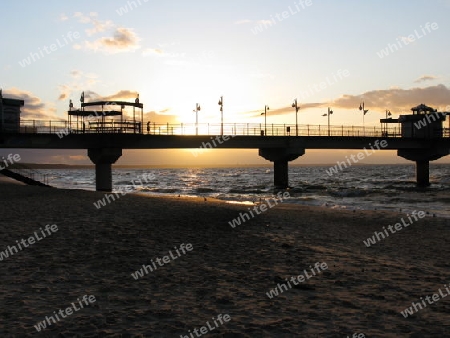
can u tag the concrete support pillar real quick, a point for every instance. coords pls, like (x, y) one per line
(281, 174)
(103, 158)
(280, 158)
(423, 173)
(422, 157)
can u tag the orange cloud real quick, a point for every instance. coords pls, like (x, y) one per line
(396, 99)
(34, 108)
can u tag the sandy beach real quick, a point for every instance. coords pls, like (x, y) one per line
(229, 271)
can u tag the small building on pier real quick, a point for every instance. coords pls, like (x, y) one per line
(424, 122)
(10, 114)
(106, 117)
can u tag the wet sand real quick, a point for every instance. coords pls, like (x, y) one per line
(229, 270)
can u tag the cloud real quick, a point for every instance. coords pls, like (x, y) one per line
(64, 92)
(425, 78)
(288, 109)
(407, 39)
(63, 17)
(99, 26)
(153, 52)
(396, 99)
(34, 108)
(123, 40)
(157, 117)
(125, 94)
(121, 95)
(80, 81)
(82, 18)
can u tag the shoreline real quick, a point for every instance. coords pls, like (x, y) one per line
(230, 270)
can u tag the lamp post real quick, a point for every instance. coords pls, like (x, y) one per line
(197, 109)
(388, 113)
(328, 114)
(266, 108)
(297, 108)
(361, 107)
(221, 115)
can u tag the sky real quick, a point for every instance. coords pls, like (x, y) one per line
(390, 54)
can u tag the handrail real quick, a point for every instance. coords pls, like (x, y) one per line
(28, 172)
(239, 129)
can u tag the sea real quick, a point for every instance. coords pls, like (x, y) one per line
(360, 187)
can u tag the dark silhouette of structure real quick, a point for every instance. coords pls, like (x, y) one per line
(419, 137)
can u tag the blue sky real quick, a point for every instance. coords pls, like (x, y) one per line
(177, 53)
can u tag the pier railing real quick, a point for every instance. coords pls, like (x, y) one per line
(63, 128)
(33, 174)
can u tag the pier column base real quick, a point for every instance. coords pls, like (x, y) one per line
(281, 174)
(280, 158)
(103, 158)
(423, 173)
(422, 157)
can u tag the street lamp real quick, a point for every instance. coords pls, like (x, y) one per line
(297, 108)
(361, 107)
(266, 108)
(221, 114)
(388, 114)
(197, 109)
(328, 114)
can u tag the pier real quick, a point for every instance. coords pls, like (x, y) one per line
(107, 133)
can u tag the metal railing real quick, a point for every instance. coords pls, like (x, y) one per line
(33, 174)
(63, 128)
